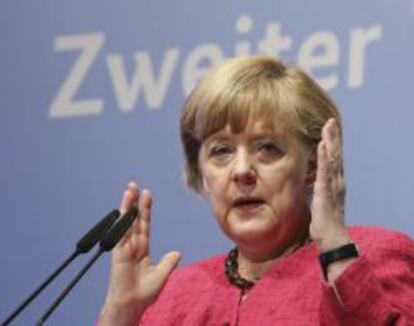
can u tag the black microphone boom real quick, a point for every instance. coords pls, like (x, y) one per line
(110, 239)
(84, 245)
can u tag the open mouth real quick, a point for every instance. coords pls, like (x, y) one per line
(248, 202)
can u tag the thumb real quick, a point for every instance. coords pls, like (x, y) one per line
(168, 263)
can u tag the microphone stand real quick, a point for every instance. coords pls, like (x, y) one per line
(41, 288)
(66, 291)
(110, 239)
(84, 245)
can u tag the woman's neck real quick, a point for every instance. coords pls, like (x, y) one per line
(253, 265)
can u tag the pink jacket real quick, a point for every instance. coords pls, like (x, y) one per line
(377, 289)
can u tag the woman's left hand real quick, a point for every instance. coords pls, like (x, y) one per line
(327, 227)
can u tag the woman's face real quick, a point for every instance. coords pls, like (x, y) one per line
(255, 182)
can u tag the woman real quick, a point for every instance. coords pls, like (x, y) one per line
(263, 144)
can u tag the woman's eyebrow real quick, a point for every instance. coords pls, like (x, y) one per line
(269, 133)
(219, 136)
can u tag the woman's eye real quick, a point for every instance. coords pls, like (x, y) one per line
(220, 150)
(270, 148)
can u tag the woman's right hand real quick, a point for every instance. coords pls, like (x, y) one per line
(135, 281)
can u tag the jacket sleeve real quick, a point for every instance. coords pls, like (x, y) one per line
(377, 289)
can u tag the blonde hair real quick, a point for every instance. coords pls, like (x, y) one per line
(259, 86)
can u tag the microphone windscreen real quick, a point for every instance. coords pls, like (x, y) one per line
(94, 235)
(116, 232)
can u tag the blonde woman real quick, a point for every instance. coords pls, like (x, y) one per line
(263, 145)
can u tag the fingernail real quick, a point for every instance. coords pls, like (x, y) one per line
(173, 255)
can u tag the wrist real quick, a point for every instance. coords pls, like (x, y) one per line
(119, 315)
(335, 269)
(334, 241)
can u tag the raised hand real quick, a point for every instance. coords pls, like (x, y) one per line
(327, 227)
(135, 282)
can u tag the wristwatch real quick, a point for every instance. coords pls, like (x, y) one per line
(326, 258)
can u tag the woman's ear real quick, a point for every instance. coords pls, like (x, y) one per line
(311, 168)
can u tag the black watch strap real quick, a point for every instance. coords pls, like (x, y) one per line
(349, 250)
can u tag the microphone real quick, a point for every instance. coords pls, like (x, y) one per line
(110, 239)
(94, 235)
(84, 245)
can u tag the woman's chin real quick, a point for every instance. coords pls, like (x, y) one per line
(251, 231)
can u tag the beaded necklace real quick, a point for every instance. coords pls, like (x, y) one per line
(232, 268)
(232, 272)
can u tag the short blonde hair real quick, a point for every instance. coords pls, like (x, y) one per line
(254, 85)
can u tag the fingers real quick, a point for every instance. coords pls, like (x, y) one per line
(168, 263)
(327, 226)
(322, 168)
(143, 224)
(130, 197)
(136, 239)
(332, 138)
(330, 163)
(145, 205)
(129, 200)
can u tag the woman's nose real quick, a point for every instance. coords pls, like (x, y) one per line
(244, 170)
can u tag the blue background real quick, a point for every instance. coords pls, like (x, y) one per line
(58, 175)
